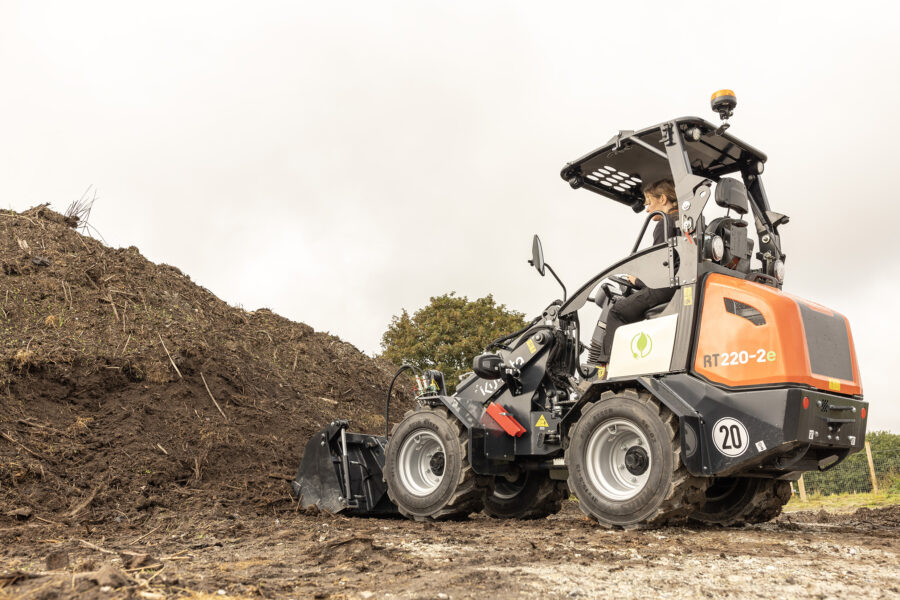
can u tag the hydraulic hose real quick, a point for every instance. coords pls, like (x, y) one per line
(499, 341)
(387, 402)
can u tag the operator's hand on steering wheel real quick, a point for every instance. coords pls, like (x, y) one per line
(626, 283)
(625, 286)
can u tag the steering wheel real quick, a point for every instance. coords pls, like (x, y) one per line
(623, 281)
(610, 294)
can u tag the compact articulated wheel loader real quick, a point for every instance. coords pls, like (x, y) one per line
(711, 406)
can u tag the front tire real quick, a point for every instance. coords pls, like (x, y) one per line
(427, 468)
(732, 501)
(624, 460)
(531, 495)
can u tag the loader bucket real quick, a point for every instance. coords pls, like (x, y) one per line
(336, 461)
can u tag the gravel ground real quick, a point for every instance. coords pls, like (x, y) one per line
(296, 555)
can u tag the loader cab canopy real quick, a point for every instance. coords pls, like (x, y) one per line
(619, 169)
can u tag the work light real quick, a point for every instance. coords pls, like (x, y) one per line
(779, 270)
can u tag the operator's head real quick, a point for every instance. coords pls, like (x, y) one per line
(660, 195)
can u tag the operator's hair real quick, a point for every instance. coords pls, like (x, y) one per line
(663, 187)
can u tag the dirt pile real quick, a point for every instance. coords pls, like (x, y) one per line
(127, 388)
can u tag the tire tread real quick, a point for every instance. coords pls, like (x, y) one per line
(468, 497)
(685, 490)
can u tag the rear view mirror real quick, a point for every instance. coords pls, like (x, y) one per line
(537, 255)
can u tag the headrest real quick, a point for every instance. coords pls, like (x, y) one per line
(731, 193)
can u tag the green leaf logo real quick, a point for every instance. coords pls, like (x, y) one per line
(641, 345)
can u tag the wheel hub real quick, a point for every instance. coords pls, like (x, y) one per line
(421, 462)
(508, 487)
(618, 459)
(637, 460)
(437, 463)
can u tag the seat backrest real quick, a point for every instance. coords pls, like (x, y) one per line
(731, 193)
(655, 310)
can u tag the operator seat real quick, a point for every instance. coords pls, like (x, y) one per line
(655, 310)
(732, 195)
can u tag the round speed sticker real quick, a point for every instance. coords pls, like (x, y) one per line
(730, 437)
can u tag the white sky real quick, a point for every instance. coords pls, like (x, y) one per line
(337, 162)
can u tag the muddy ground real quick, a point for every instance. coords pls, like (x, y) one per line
(289, 554)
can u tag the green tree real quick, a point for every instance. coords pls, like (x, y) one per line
(448, 333)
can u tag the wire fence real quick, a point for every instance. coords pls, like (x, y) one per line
(855, 475)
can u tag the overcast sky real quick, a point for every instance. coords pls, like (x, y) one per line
(338, 162)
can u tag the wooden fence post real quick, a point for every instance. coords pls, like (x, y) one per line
(802, 487)
(871, 468)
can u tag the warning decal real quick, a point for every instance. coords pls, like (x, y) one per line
(531, 347)
(542, 422)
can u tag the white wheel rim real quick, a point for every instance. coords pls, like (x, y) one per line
(605, 460)
(418, 459)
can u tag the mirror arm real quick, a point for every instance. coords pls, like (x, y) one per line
(557, 279)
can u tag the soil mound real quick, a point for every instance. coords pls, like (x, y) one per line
(127, 387)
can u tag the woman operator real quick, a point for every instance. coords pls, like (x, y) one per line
(658, 196)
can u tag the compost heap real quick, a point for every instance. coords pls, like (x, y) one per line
(125, 387)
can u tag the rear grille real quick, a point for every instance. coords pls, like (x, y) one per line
(828, 343)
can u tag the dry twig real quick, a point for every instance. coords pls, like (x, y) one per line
(180, 376)
(177, 555)
(40, 426)
(86, 502)
(211, 396)
(113, 304)
(154, 575)
(23, 447)
(133, 569)
(135, 541)
(79, 211)
(96, 547)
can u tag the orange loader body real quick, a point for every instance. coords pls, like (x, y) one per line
(753, 334)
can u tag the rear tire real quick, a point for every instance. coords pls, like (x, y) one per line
(427, 467)
(732, 501)
(624, 460)
(533, 495)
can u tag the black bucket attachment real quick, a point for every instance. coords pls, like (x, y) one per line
(342, 473)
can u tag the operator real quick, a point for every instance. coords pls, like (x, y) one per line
(659, 196)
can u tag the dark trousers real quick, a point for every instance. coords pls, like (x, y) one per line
(631, 309)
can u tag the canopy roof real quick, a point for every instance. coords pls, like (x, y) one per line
(620, 168)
